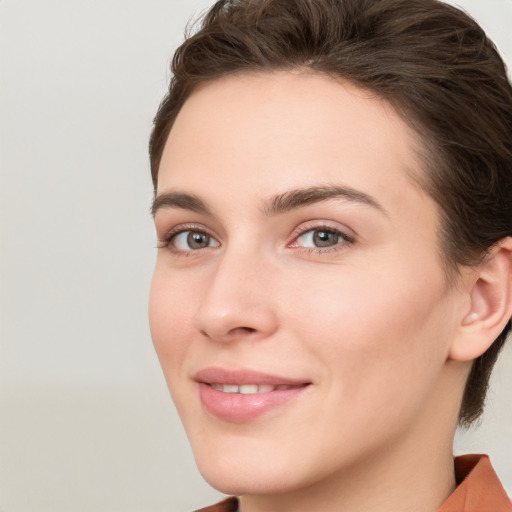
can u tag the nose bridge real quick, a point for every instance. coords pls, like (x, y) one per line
(237, 301)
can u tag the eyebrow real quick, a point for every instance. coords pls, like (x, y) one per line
(179, 200)
(278, 204)
(294, 199)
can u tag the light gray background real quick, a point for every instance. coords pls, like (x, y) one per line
(85, 419)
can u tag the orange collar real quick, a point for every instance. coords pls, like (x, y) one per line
(479, 489)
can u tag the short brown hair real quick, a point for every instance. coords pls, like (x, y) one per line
(431, 61)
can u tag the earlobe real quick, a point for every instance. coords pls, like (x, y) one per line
(490, 302)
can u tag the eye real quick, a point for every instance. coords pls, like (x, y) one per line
(192, 240)
(321, 238)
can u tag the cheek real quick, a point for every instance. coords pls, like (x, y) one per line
(375, 332)
(170, 314)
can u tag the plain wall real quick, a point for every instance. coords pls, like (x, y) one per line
(86, 423)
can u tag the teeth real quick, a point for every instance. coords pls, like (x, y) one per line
(248, 389)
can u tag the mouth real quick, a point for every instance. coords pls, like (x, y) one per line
(250, 389)
(242, 396)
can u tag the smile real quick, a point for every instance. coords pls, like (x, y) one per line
(242, 396)
(249, 389)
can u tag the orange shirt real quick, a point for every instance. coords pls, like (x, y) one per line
(479, 490)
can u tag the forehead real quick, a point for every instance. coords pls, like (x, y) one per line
(258, 134)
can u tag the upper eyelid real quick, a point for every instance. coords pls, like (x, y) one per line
(165, 240)
(326, 225)
(347, 233)
(180, 228)
(347, 239)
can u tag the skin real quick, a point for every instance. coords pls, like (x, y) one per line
(369, 321)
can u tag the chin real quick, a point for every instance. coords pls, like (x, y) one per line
(233, 477)
(243, 466)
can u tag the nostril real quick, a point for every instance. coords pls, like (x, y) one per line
(236, 331)
(242, 330)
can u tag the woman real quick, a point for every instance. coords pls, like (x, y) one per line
(333, 281)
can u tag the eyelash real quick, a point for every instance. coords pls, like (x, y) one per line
(166, 241)
(348, 240)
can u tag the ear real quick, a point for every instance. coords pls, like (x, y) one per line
(490, 304)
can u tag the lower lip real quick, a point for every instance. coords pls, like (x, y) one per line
(239, 407)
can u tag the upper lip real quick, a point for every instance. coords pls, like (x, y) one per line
(241, 377)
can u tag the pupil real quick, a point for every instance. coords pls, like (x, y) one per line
(325, 238)
(197, 240)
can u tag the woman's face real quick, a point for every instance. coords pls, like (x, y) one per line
(299, 306)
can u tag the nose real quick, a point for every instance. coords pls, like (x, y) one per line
(238, 303)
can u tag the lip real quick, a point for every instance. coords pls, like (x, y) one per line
(238, 407)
